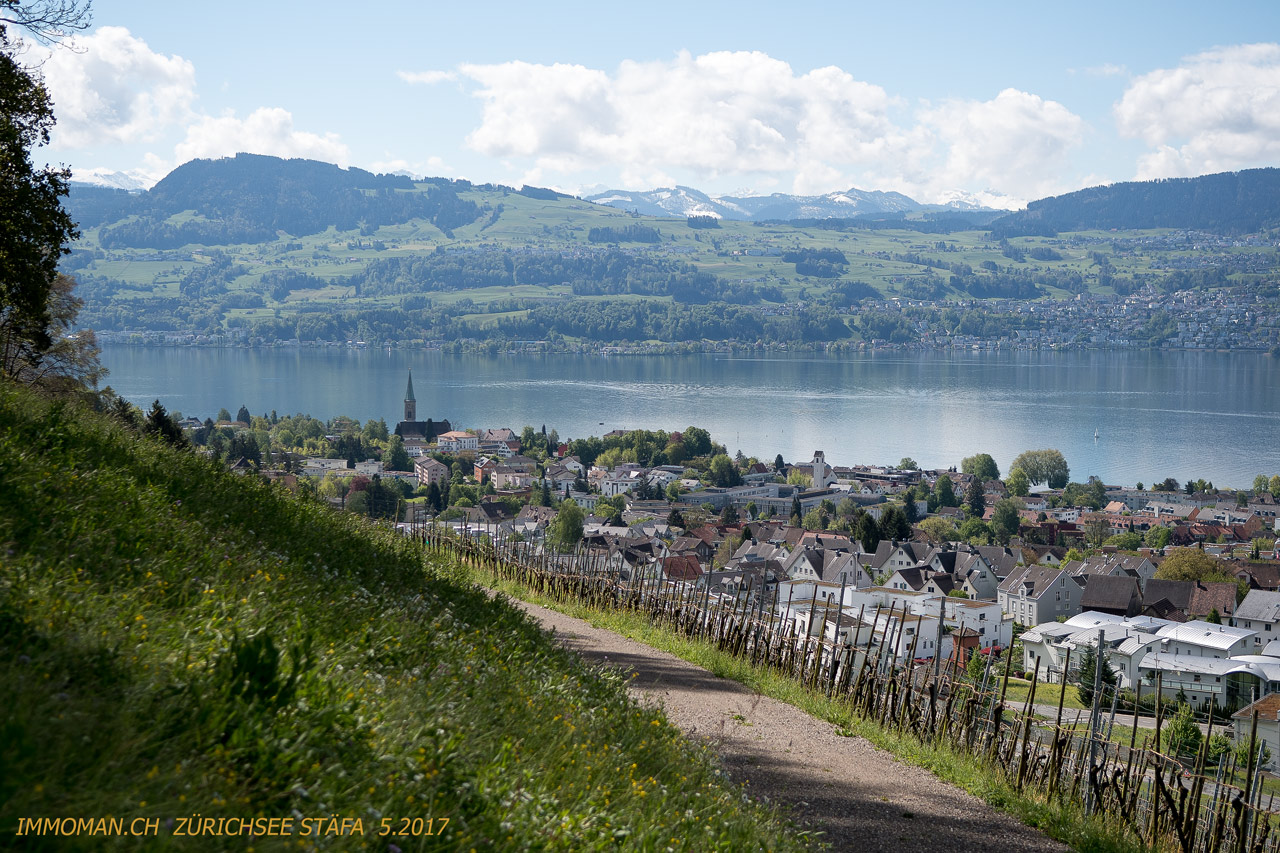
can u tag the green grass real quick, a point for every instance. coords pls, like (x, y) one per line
(176, 640)
(1061, 820)
(1046, 694)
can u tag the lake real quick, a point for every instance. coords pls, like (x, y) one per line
(1156, 414)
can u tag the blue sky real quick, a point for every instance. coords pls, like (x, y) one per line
(1007, 101)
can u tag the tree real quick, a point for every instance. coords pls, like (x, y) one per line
(1096, 530)
(778, 464)
(243, 414)
(723, 472)
(1274, 485)
(977, 664)
(675, 518)
(48, 21)
(1190, 564)
(944, 492)
(673, 491)
(752, 510)
(939, 529)
(34, 228)
(981, 466)
(1157, 537)
(894, 524)
(867, 532)
(909, 508)
(975, 499)
(1086, 674)
(1261, 484)
(1004, 519)
(1181, 734)
(1214, 617)
(696, 441)
(224, 416)
(1245, 759)
(71, 362)
(566, 527)
(906, 463)
(729, 515)
(1044, 466)
(162, 426)
(1017, 483)
(397, 456)
(975, 531)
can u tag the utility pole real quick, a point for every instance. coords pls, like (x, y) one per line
(1094, 717)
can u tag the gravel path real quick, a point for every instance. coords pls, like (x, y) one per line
(860, 797)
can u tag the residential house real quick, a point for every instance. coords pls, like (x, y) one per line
(430, 471)
(1036, 594)
(455, 441)
(1260, 612)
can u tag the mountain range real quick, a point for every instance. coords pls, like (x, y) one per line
(257, 193)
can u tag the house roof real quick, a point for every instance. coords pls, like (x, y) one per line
(1041, 579)
(1109, 592)
(1191, 663)
(1260, 605)
(1205, 634)
(1177, 593)
(683, 568)
(1268, 708)
(1215, 595)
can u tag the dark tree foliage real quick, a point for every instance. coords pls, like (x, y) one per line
(1087, 673)
(626, 234)
(894, 524)
(162, 425)
(250, 197)
(867, 532)
(703, 222)
(34, 228)
(1230, 202)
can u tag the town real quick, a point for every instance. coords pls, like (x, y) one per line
(955, 565)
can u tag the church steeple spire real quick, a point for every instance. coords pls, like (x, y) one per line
(410, 402)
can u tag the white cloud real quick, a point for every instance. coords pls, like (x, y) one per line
(747, 114)
(267, 130)
(113, 88)
(719, 113)
(1017, 142)
(427, 77)
(1217, 111)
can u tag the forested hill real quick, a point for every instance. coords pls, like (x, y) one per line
(251, 197)
(1226, 203)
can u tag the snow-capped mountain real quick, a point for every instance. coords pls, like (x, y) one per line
(686, 201)
(133, 180)
(985, 200)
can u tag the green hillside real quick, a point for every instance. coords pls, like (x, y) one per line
(175, 640)
(258, 249)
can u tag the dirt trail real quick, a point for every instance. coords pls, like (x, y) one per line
(860, 797)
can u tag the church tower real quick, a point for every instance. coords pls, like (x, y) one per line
(410, 404)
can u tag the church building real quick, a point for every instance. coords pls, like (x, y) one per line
(416, 433)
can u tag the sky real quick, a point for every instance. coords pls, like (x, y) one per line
(1005, 102)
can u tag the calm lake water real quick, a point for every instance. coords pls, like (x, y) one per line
(1157, 415)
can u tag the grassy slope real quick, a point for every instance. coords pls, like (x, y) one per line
(177, 640)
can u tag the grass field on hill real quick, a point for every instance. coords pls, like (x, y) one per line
(177, 641)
